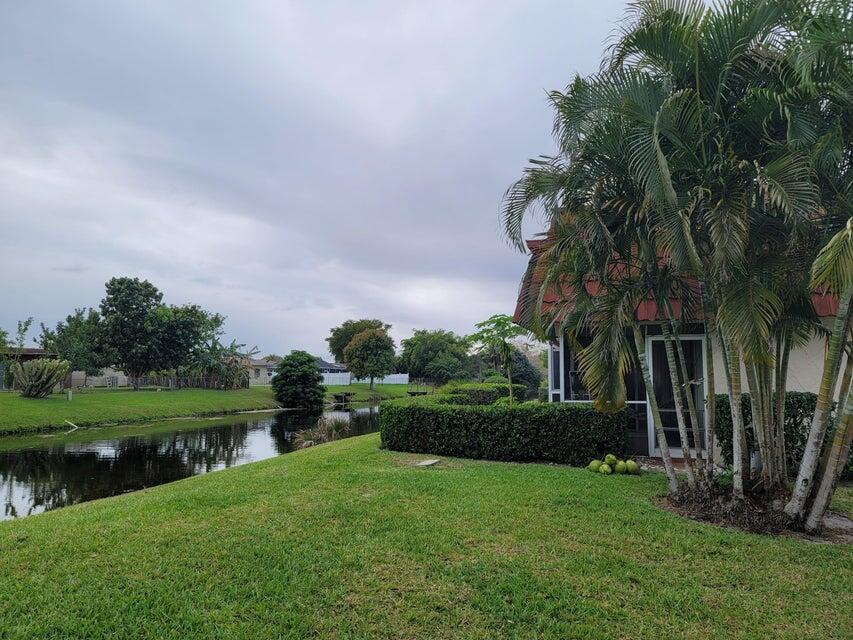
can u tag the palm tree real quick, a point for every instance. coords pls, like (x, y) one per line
(721, 137)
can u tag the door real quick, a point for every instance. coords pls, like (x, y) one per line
(694, 356)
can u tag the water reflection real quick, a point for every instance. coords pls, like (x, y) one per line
(84, 467)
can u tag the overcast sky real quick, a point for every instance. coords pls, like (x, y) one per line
(287, 164)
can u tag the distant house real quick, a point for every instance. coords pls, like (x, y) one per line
(261, 371)
(330, 367)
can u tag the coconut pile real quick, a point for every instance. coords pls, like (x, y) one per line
(612, 464)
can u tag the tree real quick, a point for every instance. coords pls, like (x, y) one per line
(425, 346)
(77, 340)
(129, 327)
(298, 383)
(370, 354)
(494, 336)
(180, 331)
(340, 337)
(706, 163)
(139, 334)
(522, 369)
(443, 368)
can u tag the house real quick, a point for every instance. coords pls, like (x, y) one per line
(330, 367)
(261, 371)
(108, 377)
(564, 377)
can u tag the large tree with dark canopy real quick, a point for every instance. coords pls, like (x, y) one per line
(370, 354)
(340, 337)
(434, 355)
(139, 334)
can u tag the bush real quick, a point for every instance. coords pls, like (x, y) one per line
(37, 378)
(557, 432)
(496, 379)
(799, 408)
(482, 392)
(298, 383)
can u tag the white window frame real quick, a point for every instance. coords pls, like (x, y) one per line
(675, 452)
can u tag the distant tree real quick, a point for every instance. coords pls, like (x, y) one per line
(521, 368)
(494, 335)
(21, 337)
(128, 328)
(180, 333)
(443, 368)
(139, 334)
(425, 346)
(272, 357)
(4, 339)
(370, 354)
(340, 337)
(225, 366)
(525, 372)
(77, 340)
(298, 383)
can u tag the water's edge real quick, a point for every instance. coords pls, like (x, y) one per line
(41, 472)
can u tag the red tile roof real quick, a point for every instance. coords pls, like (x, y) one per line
(825, 305)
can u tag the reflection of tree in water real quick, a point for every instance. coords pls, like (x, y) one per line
(36, 480)
(57, 476)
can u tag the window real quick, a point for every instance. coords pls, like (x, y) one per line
(257, 373)
(575, 389)
(661, 381)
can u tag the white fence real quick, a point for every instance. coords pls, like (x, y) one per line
(394, 378)
(337, 378)
(346, 379)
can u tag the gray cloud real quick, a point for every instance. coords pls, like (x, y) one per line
(289, 165)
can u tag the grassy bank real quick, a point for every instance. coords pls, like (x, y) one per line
(350, 541)
(21, 415)
(364, 394)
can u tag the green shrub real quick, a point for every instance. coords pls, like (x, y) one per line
(799, 408)
(483, 393)
(495, 379)
(37, 378)
(298, 383)
(556, 432)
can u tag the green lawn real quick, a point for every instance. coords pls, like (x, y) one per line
(350, 541)
(364, 394)
(19, 415)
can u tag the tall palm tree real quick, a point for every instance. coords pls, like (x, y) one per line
(721, 136)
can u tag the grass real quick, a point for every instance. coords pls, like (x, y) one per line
(364, 394)
(346, 540)
(96, 407)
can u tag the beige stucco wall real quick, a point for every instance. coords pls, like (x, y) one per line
(804, 370)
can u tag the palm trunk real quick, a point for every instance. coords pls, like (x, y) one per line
(839, 450)
(640, 345)
(733, 384)
(710, 405)
(679, 411)
(823, 407)
(691, 409)
(781, 393)
(758, 423)
(509, 380)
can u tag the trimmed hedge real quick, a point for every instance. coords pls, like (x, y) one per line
(565, 433)
(482, 392)
(799, 408)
